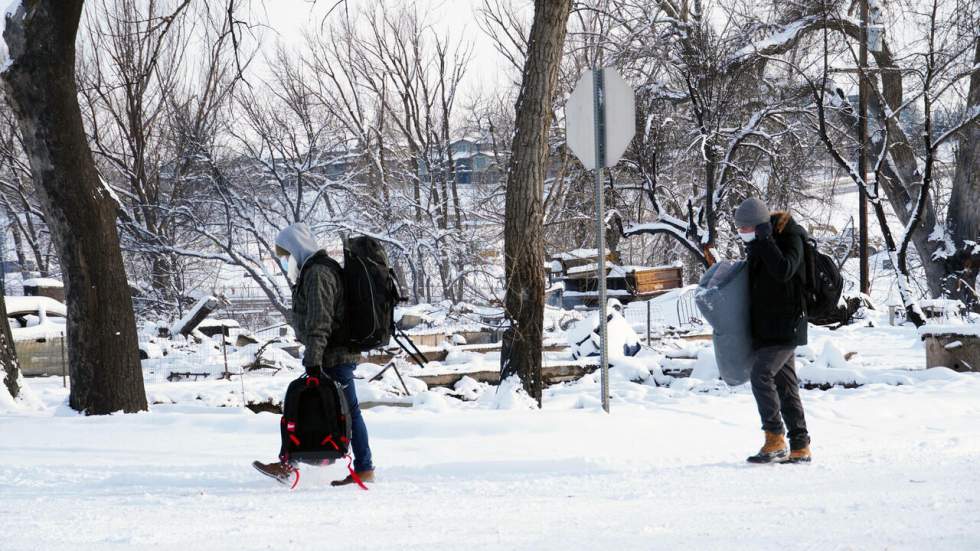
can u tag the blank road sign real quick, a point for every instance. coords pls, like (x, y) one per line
(620, 111)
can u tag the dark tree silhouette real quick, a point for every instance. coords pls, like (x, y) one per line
(523, 228)
(103, 354)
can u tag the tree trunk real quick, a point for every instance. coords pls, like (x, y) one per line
(8, 355)
(964, 217)
(163, 283)
(523, 227)
(103, 354)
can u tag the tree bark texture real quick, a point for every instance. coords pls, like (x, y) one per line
(103, 354)
(524, 211)
(964, 218)
(9, 367)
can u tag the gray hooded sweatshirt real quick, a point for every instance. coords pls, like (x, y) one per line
(318, 300)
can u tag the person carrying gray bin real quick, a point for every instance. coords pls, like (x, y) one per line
(757, 308)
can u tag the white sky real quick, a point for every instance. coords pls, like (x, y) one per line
(287, 18)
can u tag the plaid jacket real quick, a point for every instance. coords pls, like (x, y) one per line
(318, 312)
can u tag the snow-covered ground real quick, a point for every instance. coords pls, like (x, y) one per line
(895, 466)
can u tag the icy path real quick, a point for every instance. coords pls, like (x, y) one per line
(896, 468)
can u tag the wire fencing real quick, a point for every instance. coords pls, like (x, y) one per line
(674, 312)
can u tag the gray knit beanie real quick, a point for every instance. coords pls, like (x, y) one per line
(751, 213)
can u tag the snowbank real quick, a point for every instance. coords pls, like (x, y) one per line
(509, 395)
(26, 400)
(895, 468)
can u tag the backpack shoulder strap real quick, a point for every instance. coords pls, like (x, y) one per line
(320, 258)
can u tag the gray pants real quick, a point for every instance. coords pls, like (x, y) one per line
(777, 393)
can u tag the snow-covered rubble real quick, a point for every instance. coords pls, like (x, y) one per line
(848, 357)
(202, 371)
(179, 474)
(584, 341)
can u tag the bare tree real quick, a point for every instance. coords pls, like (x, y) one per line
(19, 200)
(947, 248)
(936, 61)
(133, 64)
(709, 135)
(415, 73)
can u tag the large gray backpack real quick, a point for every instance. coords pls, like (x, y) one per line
(370, 294)
(371, 290)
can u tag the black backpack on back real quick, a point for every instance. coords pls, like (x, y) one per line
(316, 425)
(823, 283)
(370, 294)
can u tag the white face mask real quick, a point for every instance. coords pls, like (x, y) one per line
(288, 263)
(747, 237)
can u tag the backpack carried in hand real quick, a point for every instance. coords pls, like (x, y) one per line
(370, 294)
(316, 424)
(823, 285)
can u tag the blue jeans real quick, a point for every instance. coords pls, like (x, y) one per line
(344, 375)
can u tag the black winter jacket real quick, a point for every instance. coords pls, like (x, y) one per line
(776, 275)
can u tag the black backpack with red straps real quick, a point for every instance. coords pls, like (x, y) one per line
(316, 425)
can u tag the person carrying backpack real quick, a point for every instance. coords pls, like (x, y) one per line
(775, 245)
(319, 320)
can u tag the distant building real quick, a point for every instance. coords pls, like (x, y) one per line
(474, 160)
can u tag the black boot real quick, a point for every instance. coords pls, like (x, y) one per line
(281, 472)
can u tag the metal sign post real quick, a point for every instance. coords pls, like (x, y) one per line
(600, 121)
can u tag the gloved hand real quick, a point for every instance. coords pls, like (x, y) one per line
(313, 370)
(763, 231)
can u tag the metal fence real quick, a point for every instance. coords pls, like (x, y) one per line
(651, 318)
(688, 314)
(272, 331)
(645, 317)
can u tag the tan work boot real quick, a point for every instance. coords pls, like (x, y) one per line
(365, 476)
(801, 455)
(775, 450)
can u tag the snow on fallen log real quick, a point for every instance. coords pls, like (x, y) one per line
(204, 307)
